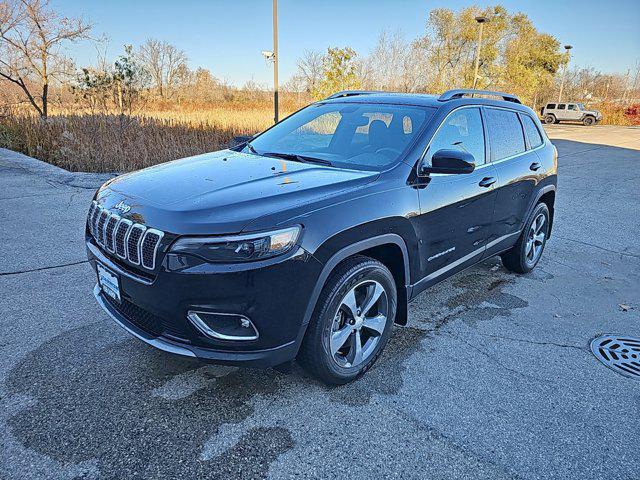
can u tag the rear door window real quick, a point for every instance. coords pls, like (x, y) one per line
(506, 137)
(531, 131)
(561, 106)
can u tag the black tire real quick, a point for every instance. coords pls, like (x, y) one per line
(549, 119)
(315, 353)
(588, 121)
(517, 259)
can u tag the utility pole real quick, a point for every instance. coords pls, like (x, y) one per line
(564, 72)
(275, 61)
(481, 21)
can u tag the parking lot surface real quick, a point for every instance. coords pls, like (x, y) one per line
(492, 378)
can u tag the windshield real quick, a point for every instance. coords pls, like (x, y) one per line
(350, 135)
(581, 106)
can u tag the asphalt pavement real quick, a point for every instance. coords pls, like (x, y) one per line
(492, 378)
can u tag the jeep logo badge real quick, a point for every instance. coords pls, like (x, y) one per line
(122, 207)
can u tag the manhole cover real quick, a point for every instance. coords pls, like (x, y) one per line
(619, 353)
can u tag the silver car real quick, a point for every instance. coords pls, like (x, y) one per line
(569, 112)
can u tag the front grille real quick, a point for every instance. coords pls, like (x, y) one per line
(147, 321)
(130, 241)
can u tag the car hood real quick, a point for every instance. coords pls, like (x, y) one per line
(222, 192)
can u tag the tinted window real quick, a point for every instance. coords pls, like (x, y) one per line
(561, 106)
(461, 130)
(572, 107)
(505, 133)
(551, 106)
(531, 130)
(366, 136)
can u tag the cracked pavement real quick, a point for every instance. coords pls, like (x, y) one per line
(492, 378)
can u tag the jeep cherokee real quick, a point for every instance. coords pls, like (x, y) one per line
(309, 240)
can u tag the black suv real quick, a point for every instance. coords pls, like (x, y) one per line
(309, 240)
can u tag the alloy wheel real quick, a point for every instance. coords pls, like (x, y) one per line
(359, 323)
(535, 239)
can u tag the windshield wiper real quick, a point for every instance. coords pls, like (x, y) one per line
(298, 158)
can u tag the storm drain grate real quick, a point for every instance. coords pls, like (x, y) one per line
(619, 353)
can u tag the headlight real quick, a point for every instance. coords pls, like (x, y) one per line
(239, 248)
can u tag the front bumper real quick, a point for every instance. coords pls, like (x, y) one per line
(273, 296)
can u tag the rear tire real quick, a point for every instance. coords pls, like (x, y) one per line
(352, 321)
(549, 119)
(526, 253)
(588, 121)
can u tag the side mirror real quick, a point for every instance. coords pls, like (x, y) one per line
(239, 141)
(449, 161)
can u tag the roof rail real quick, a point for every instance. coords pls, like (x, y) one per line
(351, 93)
(461, 92)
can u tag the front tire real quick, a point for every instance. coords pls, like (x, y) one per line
(352, 321)
(588, 121)
(526, 253)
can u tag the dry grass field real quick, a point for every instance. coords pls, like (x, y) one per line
(106, 142)
(117, 143)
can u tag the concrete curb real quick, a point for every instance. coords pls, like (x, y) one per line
(15, 160)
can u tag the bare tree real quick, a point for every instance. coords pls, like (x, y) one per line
(310, 70)
(166, 64)
(31, 39)
(396, 64)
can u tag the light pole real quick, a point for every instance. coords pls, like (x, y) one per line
(481, 20)
(564, 72)
(275, 61)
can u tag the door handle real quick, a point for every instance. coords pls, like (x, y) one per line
(535, 166)
(487, 181)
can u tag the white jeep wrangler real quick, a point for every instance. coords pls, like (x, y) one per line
(569, 112)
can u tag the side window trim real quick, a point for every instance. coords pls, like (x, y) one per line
(525, 137)
(487, 141)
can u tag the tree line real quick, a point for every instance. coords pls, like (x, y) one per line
(514, 57)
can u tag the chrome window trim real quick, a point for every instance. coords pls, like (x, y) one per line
(160, 234)
(128, 222)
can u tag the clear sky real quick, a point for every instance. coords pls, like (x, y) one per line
(227, 36)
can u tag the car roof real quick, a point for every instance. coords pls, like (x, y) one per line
(422, 99)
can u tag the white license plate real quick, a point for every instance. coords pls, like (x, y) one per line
(109, 282)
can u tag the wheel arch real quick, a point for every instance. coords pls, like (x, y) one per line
(390, 249)
(546, 195)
